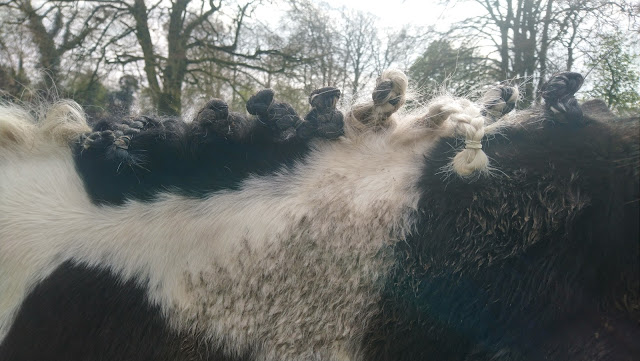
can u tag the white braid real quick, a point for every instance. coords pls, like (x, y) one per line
(472, 158)
(445, 116)
(448, 116)
(458, 116)
(473, 144)
(440, 109)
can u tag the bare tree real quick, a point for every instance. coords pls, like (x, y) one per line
(397, 47)
(14, 48)
(340, 47)
(57, 29)
(194, 36)
(313, 32)
(370, 50)
(360, 45)
(186, 47)
(523, 32)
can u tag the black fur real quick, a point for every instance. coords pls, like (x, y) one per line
(539, 261)
(323, 120)
(83, 313)
(138, 158)
(558, 94)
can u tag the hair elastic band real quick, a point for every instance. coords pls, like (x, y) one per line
(473, 144)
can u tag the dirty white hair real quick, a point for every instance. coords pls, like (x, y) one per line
(57, 123)
(494, 101)
(389, 95)
(443, 116)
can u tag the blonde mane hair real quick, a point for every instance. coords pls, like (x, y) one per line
(56, 123)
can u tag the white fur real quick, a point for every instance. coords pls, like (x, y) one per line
(58, 123)
(472, 158)
(291, 262)
(16, 128)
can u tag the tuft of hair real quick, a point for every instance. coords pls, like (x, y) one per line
(21, 126)
(441, 108)
(16, 126)
(463, 118)
(443, 116)
(376, 113)
(64, 121)
(499, 100)
(472, 158)
(390, 101)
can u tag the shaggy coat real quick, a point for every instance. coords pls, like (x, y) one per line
(372, 246)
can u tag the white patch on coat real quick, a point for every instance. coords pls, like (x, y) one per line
(290, 265)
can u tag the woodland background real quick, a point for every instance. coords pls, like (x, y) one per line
(112, 56)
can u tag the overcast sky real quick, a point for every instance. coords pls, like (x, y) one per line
(420, 13)
(414, 12)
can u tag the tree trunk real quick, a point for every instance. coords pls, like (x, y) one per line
(49, 56)
(544, 46)
(139, 11)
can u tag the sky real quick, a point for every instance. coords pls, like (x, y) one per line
(419, 13)
(415, 12)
